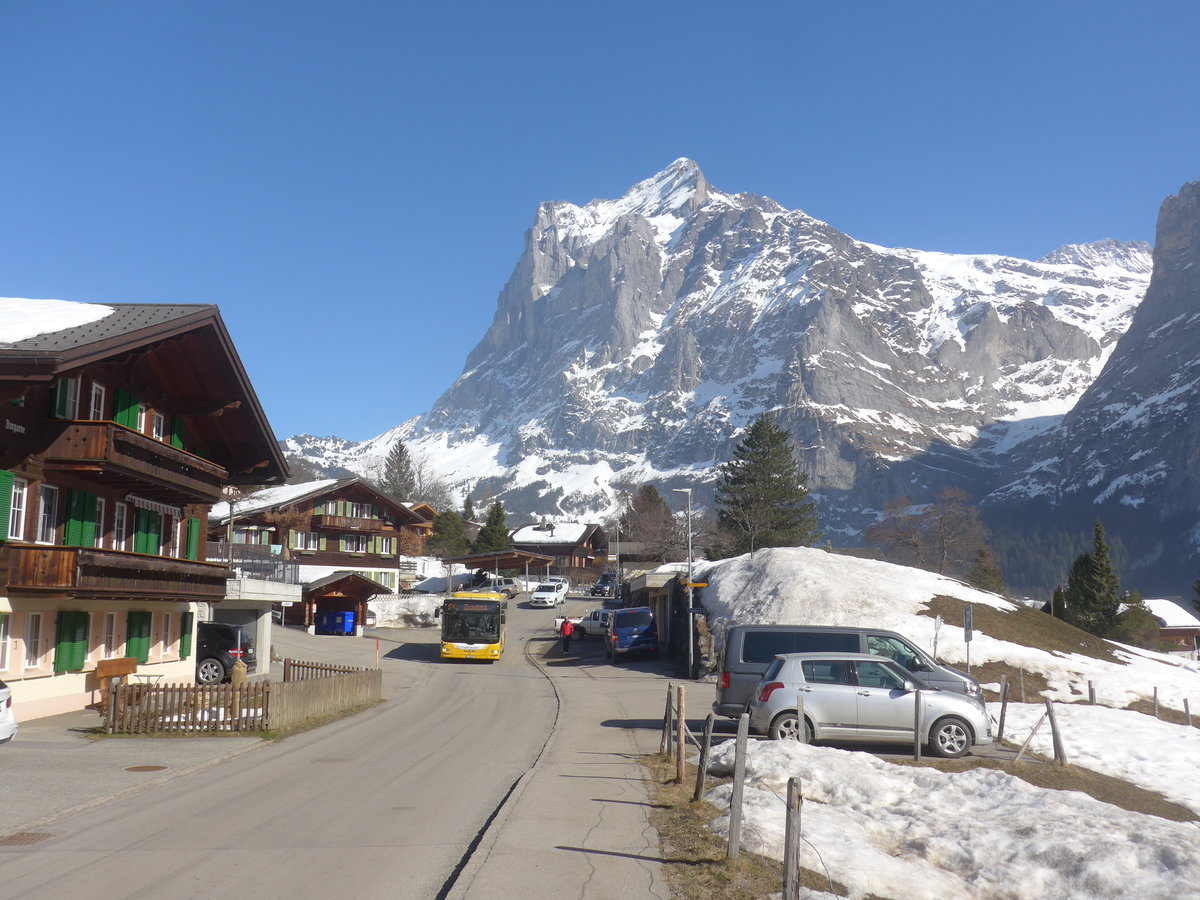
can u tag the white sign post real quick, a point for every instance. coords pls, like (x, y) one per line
(968, 632)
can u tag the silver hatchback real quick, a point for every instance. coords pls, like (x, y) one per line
(861, 697)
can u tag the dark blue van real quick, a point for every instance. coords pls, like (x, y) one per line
(631, 630)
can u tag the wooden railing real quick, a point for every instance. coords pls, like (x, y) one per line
(84, 570)
(118, 449)
(253, 706)
(350, 523)
(297, 670)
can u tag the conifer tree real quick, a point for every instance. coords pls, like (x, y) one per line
(1092, 595)
(399, 479)
(494, 533)
(449, 538)
(762, 496)
(468, 512)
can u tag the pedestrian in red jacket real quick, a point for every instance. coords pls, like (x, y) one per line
(566, 630)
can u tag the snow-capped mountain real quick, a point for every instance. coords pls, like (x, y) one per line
(637, 337)
(1129, 450)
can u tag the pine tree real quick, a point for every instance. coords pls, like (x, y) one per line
(468, 512)
(762, 496)
(494, 533)
(985, 571)
(449, 538)
(1058, 603)
(399, 480)
(1092, 595)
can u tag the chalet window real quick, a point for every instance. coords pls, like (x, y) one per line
(47, 514)
(120, 537)
(33, 640)
(159, 430)
(140, 421)
(360, 510)
(18, 503)
(108, 640)
(99, 396)
(99, 523)
(306, 540)
(354, 543)
(387, 545)
(71, 641)
(166, 641)
(66, 398)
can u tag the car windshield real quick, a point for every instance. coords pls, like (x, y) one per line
(546, 588)
(634, 618)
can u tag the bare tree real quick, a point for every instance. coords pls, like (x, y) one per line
(285, 520)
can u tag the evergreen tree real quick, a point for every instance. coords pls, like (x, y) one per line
(985, 571)
(762, 496)
(468, 512)
(494, 533)
(1058, 603)
(449, 538)
(399, 479)
(1092, 598)
(646, 519)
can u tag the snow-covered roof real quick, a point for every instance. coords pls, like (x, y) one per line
(552, 533)
(271, 497)
(22, 319)
(1171, 614)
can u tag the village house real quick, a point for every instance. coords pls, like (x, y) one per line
(579, 550)
(123, 424)
(349, 540)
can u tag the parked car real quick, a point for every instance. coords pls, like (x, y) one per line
(750, 649)
(605, 586)
(218, 646)
(8, 721)
(505, 587)
(548, 593)
(631, 630)
(595, 622)
(862, 697)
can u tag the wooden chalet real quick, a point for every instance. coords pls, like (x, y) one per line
(123, 423)
(326, 527)
(577, 548)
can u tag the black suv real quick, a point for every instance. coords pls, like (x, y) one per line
(217, 647)
(604, 587)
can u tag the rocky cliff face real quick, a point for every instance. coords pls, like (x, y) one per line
(1129, 450)
(637, 337)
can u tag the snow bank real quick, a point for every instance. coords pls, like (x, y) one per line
(405, 610)
(803, 586)
(917, 833)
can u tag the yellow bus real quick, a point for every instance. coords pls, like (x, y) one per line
(473, 625)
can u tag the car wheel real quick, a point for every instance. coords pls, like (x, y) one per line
(210, 671)
(786, 726)
(950, 738)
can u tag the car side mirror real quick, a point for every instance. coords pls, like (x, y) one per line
(910, 686)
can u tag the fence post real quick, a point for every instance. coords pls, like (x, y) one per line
(917, 725)
(734, 847)
(1003, 707)
(801, 728)
(702, 766)
(1156, 715)
(680, 725)
(791, 842)
(1187, 711)
(1022, 671)
(1060, 755)
(1091, 693)
(664, 745)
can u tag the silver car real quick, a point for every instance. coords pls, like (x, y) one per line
(863, 697)
(8, 721)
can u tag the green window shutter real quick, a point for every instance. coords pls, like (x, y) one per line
(342, 543)
(185, 634)
(344, 508)
(193, 539)
(76, 510)
(375, 511)
(6, 486)
(318, 509)
(87, 537)
(139, 530)
(321, 542)
(177, 433)
(153, 533)
(61, 396)
(125, 409)
(291, 539)
(137, 635)
(70, 640)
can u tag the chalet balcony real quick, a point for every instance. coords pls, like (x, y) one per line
(350, 523)
(89, 573)
(113, 453)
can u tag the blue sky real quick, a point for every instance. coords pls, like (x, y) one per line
(351, 181)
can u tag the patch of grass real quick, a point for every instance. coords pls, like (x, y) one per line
(694, 856)
(1046, 774)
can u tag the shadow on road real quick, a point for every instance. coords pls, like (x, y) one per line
(419, 652)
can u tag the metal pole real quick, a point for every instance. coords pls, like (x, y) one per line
(688, 491)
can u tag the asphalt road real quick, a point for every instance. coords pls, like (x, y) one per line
(517, 779)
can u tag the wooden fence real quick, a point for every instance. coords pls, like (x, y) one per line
(315, 690)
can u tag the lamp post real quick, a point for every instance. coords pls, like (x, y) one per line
(690, 580)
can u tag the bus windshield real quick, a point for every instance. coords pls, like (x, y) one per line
(471, 621)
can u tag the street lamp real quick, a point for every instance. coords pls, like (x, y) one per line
(690, 580)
